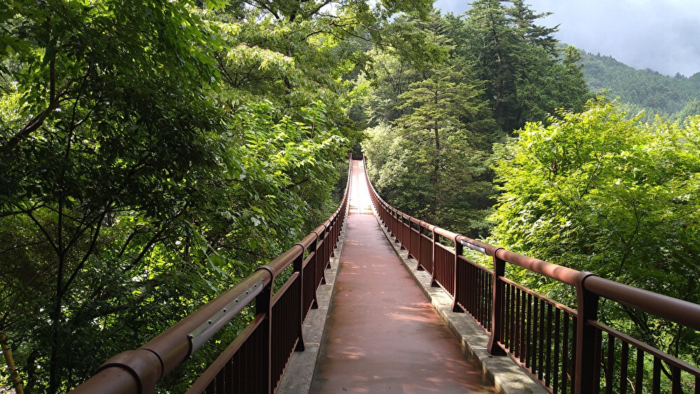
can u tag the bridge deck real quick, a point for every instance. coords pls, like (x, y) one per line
(382, 335)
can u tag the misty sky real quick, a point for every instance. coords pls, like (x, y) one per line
(663, 35)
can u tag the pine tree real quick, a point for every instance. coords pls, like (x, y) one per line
(443, 114)
(525, 80)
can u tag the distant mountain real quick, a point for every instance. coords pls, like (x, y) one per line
(673, 97)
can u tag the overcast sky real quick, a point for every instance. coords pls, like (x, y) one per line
(663, 35)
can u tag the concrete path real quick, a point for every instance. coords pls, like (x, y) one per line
(382, 334)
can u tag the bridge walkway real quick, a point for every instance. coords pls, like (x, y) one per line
(382, 334)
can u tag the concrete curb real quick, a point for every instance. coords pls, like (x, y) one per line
(505, 374)
(299, 373)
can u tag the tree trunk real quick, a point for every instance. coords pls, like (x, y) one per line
(17, 384)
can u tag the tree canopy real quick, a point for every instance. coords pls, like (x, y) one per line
(597, 192)
(154, 153)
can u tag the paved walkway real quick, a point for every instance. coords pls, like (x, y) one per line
(382, 334)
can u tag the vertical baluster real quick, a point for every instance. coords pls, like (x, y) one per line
(509, 317)
(528, 326)
(433, 283)
(535, 335)
(548, 355)
(456, 280)
(320, 262)
(523, 311)
(610, 365)
(219, 380)
(656, 382)
(419, 257)
(639, 372)
(485, 311)
(598, 355)
(541, 343)
(565, 355)
(676, 380)
(211, 389)
(472, 293)
(513, 318)
(298, 266)
(497, 309)
(242, 375)
(228, 377)
(506, 312)
(574, 360)
(624, 360)
(477, 296)
(313, 262)
(330, 247)
(489, 306)
(557, 346)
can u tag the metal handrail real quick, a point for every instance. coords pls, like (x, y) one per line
(519, 317)
(138, 371)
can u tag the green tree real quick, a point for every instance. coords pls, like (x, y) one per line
(152, 155)
(443, 157)
(525, 80)
(597, 192)
(100, 119)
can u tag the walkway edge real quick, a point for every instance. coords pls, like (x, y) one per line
(505, 374)
(300, 369)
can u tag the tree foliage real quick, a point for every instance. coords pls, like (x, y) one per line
(154, 153)
(526, 77)
(669, 97)
(434, 117)
(597, 192)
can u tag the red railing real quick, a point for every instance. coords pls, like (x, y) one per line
(255, 361)
(566, 350)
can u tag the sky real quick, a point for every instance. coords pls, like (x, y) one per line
(663, 35)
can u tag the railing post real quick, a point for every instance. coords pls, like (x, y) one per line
(459, 249)
(499, 270)
(314, 268)
(419, 267)
(322, 254)
(263, 304)
(330, 247)
(587, 309)
(332, 235)
(299, 267)
(433, 282)
(407, 235)
(397, 225)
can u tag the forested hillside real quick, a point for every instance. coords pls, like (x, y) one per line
(671, 97)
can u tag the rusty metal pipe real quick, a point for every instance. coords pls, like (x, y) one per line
(445, 233)
(679, 311)
(165, 352)
(553, 271)
(138, 371)
(307, 241)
